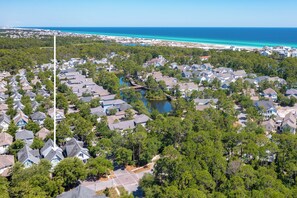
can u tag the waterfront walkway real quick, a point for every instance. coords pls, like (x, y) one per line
(134, 85)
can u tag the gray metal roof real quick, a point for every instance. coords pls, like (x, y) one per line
(38, 116)
(108, 97)
(31, 94)
(24, 134)
(125, 106)
(141, 119)
(113, 102)
(53, 153)
(4, 118)
(28, 153)
(73, 147)
(80, 192)
(129, 124)
(264, 104)
(99, 111)
(291, 92)
(48, 144)
(86, 99)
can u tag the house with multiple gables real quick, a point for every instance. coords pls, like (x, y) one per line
(28, 156)
(75, 148)
(52, 153)
(267, 108)
(270, 94)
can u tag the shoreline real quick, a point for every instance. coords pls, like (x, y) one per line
(151, 41)
(129, 39)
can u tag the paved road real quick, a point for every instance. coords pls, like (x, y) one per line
(129, 180)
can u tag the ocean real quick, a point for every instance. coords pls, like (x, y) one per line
(248, 37)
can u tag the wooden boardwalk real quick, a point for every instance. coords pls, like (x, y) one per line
(136, 86)
(133, 85)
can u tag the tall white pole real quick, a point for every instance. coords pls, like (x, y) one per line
(55, 114)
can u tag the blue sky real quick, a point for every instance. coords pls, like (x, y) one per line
(150, 13)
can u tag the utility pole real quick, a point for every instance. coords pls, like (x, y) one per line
(55, 74)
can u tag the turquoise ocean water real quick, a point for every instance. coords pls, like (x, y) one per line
(252, 37)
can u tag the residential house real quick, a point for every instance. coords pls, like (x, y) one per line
(207, 76)
(223, 70)
(81, 192)
(28, 156)
(3, 108)
(269, 126)
(294, 54)
(121, 126)
(204, 58)
(52, 153)
(21, 119)
(3, 88)
(38, 117)
(99, 111)
(5, 141)
(6, 164)
(205, 67)
(260, 79)
(34, 105)
(239, 74)
(291, 93)
(35, 80)
(267, 108)
(87, 99)
(27, 87)
(4, 74)
(18, 106)
(125, 107)
(157, 62)
(3, 97)
(59, 114)
(202, 104)
(31, 94)
(251, 81)
(187, 88)
(289, 123)
(4, 122)
(173, 65)
(112, 103)
(157, 76)
(141, 119)
(187, 74)
(74, 148)
(265, 53)
(25, 135)
(16, 96)
(42, 133)
(277, 81)
(43, 93)
(270, 94)
(108, 97)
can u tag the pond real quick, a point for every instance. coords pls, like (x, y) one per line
(163, 106)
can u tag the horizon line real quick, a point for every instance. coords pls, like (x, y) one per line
(150, 27)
